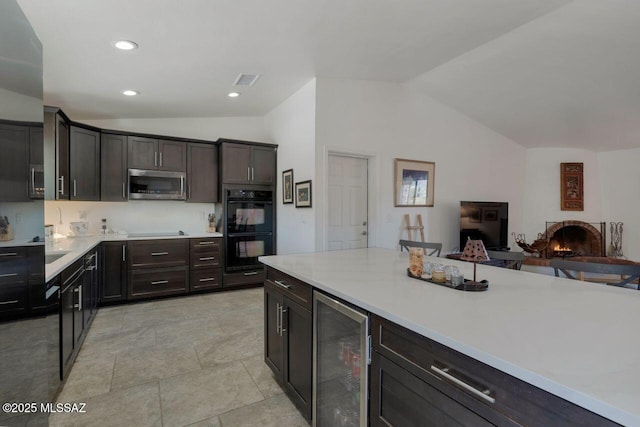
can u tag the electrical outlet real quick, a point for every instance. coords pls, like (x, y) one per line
(18, 217)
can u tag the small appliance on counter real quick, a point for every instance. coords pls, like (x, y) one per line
(79, 228)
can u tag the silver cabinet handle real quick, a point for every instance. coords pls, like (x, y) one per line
(278, 308)
(250, 273)
(444, 372)
(161, 159)
(124, 253)
(282, 284)
(8, 275)
(282, 313)
(9, 254)
(80, 298)
(208, 279)
(155, 158)
(207, 243)
(159, 253)
(208, 258)
(159, 282)
(33, 180)
(61, 189)
(74, 188)
(9, 302)
(182, 185)
(252, 175)
(124, 191)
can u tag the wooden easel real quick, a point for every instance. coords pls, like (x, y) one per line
(410, 227)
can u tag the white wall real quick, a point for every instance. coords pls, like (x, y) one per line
(621, 195)
(25, 218)
(133, 216)
(207, 128)
(388, 121)
(291, 125)
(19, 107)
(542, 188)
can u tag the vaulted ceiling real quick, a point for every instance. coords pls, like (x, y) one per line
(541, 72)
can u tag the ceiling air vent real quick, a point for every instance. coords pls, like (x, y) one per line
(246, 79)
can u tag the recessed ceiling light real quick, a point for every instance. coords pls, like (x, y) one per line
(125, 45)
(233, 94)
(130, 92)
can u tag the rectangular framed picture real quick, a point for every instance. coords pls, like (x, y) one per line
(414, 182)
(303, 194)
(490, 214)
(287, 186)
(571, 187)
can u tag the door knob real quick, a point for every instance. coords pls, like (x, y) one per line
(364, 233)
(364, 222)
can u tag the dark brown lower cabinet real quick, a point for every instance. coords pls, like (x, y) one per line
(114, 272)
(152, 282)
(244, 278)
(288, 346)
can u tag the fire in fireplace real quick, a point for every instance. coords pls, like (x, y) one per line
(574, 238)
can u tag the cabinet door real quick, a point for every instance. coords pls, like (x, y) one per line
(263, 163)
(143, 152)
(297, 330)
(62, 158)
(78, 313)
(36, 146)
(236, 163)
(66, 325)
(84, 167)
(113, 168)
(273, 337)
(14, 163)
(400, 399)
(202, 173)
(172, 156)
(114, 271)
(35, 277)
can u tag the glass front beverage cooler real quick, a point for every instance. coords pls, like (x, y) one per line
(341, 350)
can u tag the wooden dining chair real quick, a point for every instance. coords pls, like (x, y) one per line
(429, 248)
(627, 273)
(512, 260)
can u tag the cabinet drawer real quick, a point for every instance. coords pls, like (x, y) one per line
(157, 282)
(244, 278)
(13, 298)
(445, 369)
(209, 278)
(158, 253)
(206, 260)
(297, 290)
(209, 244)
(13, 266)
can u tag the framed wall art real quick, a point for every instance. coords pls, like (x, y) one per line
(287, 187)
(571, 186)
(414, 182)
(303, 194)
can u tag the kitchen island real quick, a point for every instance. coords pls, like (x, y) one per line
(572, 339)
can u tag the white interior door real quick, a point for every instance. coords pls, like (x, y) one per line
(347, 203)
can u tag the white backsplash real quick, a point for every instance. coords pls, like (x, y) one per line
(25, 218)
(133, 216)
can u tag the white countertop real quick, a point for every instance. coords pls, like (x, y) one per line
(574, 339)
(75, 247)
(21, 242)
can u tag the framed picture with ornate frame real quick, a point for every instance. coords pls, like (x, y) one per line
(287, 187)
(571, 186)
(414, 182)
(303, 194)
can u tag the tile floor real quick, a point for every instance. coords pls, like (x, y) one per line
(190, 361)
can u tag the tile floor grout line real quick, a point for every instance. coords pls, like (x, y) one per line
(252, 379)
(113, 372)
(160, 401)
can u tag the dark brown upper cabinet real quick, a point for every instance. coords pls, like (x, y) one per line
(248, 164)
(14, 163)
(157, 154)
(84, 164)
(56, 149)
(36, 162)
(113, 167)
(202, 173)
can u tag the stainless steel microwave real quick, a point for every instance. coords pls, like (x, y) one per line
(156, 185)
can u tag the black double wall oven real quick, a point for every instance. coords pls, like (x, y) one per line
(249, 227)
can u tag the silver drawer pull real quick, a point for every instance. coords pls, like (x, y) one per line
(282, 284)
(10, 254)
(208, 279)
(250, 273)
(209, 258)
(444, 372)
(8, 275)
(159, 282)
(207, 243)
(159, 253)
(8, 302)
